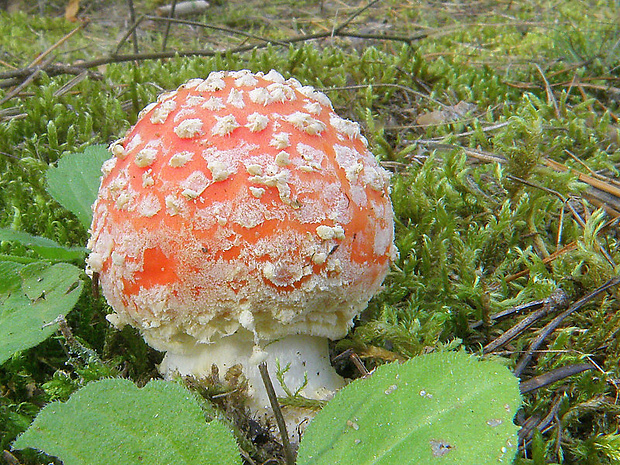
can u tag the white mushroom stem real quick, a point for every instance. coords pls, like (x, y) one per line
(306, 356)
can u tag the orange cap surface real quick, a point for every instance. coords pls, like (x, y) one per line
(241, 200)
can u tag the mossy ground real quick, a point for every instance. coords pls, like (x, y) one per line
(483, 224)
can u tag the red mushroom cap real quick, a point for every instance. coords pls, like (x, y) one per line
(241, 200)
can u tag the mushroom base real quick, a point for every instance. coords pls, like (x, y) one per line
(307, 359)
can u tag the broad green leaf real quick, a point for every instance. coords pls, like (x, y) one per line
(112, 421)
(45, 247)
(9, 277)
(75, 182)
(441, 408)
(31, 298)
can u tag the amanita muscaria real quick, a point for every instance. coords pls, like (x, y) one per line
(241, 220)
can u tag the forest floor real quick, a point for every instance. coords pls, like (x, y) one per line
(498, 120)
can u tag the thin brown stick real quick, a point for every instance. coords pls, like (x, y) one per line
(546, 260)
(164, 41)
(51, 69)
(348, 21)
(558, 236)
(568, 204)
(134, 35)
(355, 359)
(130, 32)
(187, 22)
(553, 324)
(76, 347)
(554, 375)
(526, 432)
(71, 84)
(572, 83)
(15, 77)
(395, 86)
(25, 84)
(556, 301)
(38, 60)
(512, 311)
(9, 458)
(550, 97)
(77, 68)
(556, 254)
(564, 200)
(599, 200)
(463, 134)
(593, 181)
(289, 456)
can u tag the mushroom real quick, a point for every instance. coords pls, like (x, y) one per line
(240, 221)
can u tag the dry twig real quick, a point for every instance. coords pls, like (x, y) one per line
(277, 413)
(553, 376)
(164, 41)
(557, 321)
(556, 301)
(17, 76)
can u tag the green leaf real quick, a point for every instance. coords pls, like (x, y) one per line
(75, 182)
(45, 247)
(112, 421)
(443, 408)
(9, 277)
(31, 297)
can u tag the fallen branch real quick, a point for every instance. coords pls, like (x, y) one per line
(556, 301)
(557, 321)
(18, 76)
(553, 376)
(535, 422)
